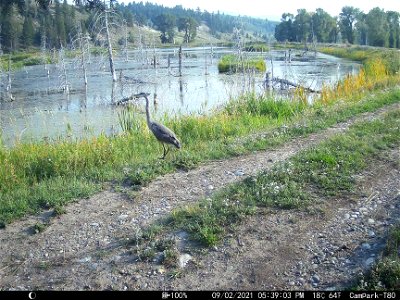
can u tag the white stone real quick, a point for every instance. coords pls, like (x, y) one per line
(184, 259)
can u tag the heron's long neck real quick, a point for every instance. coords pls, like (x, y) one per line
(148, 112)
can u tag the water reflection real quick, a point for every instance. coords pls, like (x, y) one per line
(41, 109)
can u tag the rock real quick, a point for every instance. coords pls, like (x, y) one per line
(85, 259)
(144, 285)
(369, 262)
(366, 246)
(239, 173)
(123, 217)
(315, 279)
(136, 277)
(184, 259)
(371, 221)
(346, 216)
(117, 258)
(159, 257)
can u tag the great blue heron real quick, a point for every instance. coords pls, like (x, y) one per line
(161, 132)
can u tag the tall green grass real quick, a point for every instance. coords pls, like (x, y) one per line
(232, 63)
(21, 59)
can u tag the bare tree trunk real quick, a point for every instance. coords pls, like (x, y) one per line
(180, 61)
(126, 41)
(82, 41)
(84, 66)
(110, 54)
(1, 50)
(64, 74)
(8, 88)
(9, 74)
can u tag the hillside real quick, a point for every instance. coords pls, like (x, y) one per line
(28, 26)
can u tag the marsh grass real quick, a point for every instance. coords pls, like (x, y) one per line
(21, 59)
(380, 70)
(232, 63)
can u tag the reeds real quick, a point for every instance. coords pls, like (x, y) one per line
(380, 69)
(232, 63)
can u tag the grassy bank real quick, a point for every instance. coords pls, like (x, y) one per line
(369, 56)
(38, 175)
(18, 60)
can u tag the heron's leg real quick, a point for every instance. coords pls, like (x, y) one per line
(165, 151)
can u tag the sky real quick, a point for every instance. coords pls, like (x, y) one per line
(273, 10)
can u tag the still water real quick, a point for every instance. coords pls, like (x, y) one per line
(41, 110)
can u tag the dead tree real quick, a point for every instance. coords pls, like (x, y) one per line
(180, 61)
(82, 44)
(64, 82)
(110, 54)
(103, 27)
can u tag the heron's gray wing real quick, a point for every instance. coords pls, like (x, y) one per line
(164, 134)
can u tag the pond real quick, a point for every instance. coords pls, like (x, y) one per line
(42, 110)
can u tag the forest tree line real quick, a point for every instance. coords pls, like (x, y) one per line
(55, 24)
(147, 14)
(375, 28)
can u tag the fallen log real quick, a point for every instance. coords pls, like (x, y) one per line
(124, 100)
(287, 82)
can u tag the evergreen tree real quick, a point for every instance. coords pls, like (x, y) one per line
(189, 26)
(60, 25)
(68, 13)
(166, 24)
(28, 32)
(10, 28)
